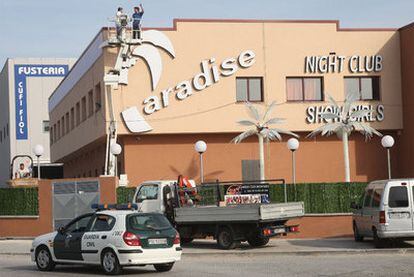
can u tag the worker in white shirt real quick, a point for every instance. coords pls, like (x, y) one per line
(22, 172)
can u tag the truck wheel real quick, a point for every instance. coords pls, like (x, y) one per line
(163, 267)
(357, 236)
(257, 241)
(225, 239)
(186, 240)
(110, 262)
(44, 259)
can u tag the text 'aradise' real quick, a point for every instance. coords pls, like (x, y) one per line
(210, 74)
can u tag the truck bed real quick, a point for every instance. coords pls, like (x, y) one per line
(239, 213)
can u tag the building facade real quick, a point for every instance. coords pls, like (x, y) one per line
(25, 87)
(193, 84)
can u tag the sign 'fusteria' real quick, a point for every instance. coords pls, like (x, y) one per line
(210, 74)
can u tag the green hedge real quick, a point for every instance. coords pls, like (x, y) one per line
(124, 195)
(19, 201)
(317, 197)
(321, 197)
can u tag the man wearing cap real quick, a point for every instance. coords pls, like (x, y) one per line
(136, 22)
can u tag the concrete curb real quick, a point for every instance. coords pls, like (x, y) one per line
(279, 253)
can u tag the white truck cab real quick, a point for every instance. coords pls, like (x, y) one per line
(386, 211)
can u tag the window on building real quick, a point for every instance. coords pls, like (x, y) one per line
(249, 89)
(304, 89)
(77, 114)
(367, 87)
(63, 125)
(7, 129)
(98, 97)
(83, 105)
(72, 118)
(91, 109)
(4, 132)
(250, 170)
(54, 133)
(1, 136)
(67, 123)
(58, 131)
(46, 126)
(51, 135)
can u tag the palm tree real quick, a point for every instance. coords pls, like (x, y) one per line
(260, 127)
(342, 122)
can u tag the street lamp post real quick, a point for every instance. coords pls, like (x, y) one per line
(388, 142)
(293, 145)
(116, 149)
(38, 150)
(201, 147)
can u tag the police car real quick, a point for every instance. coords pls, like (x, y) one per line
(112, 238)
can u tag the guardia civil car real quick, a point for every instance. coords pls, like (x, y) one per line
(112, 239)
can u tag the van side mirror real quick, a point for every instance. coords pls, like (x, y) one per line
(355, 206)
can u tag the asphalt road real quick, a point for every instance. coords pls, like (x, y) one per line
(392, 264)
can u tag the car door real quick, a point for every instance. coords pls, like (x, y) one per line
(148, 198)
(399, 211)
(67, 243)
(97, 237)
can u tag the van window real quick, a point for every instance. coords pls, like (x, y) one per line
(368, 196)
(398, 197)
(376, 198)
(147, 192)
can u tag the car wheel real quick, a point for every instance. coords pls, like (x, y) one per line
(110, 263)
(378, 242)
(225, 239)
(163, 267)
(257, 241)
(44, 259)
(357, 236)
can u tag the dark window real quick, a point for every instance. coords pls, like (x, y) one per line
(77, 114)
(55, 138)
(376, 198)
(148, 222)
(368, 197)
(83, 108)
(51, 135)
(250, 170)
(90, 103)
(63, 125)
(72, 118)
(67, 122)
(249, 89)
(398, 197)
(98, 97)
(368, 88)
(58, 131)
(304, 89)
(102, 223)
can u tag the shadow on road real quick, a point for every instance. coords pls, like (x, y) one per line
(346, 244)
(80, 270)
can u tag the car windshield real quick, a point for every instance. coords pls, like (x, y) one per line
(149, 222)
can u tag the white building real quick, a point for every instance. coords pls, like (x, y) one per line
(25, 86)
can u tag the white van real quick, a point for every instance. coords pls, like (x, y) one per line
(385, 212)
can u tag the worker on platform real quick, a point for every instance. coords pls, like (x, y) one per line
(22, 172)
(136, 22)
